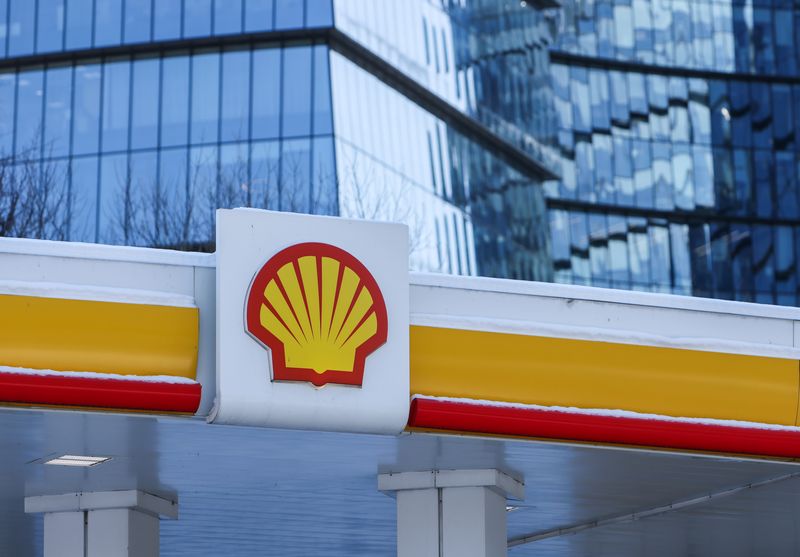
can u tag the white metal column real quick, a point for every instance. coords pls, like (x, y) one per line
(101, 524)
(451, 513)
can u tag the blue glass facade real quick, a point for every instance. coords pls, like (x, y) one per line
(489, 64)
(30, 27)
(736, 36)
(676, 128)
(636, 144)
(142, 150)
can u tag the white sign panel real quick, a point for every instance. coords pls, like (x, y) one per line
(312, 322)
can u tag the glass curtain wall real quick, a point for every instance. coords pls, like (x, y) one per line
(488, 61)
(737, 36)
(468, 211)
(140, 151)
(29, 27)
(678, 183)
(486, 58)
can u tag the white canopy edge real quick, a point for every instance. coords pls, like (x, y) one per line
(596, 294)
(94, 293)
(163, 277)
(602, 315)
(81, 250)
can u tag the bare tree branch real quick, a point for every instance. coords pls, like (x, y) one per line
(33, 196)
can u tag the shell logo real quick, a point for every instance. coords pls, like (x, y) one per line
(319, 311)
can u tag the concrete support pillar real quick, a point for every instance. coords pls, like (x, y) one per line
(451, 513)
(101, 524)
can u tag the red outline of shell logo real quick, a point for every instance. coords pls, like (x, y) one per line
(319, 311)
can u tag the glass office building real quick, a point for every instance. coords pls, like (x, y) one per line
(618, 143)
(677, 128)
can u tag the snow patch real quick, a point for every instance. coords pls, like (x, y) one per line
(612, 413)
(80, 250)
(93, 375)
(595, 294)
(95, 293)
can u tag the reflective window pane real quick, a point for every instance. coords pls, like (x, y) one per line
(785, 275)
(581, 99)
(660, 271)
(681, 262)
(227, 16)
(233, 187)
(8, 92)
(144, 104)
(743, 181)
(763, 264)
(3, 26)
(720, 260)
(763, 169)
(140, 201)
(196, 18)
(50, 28)
(319, 13)
(79, 26)
(138, 19)
(783, 132)
(234, 123)
(30, 96)
(324, 196)
(294, 185)
(266, 93)
(83, 200)
(21, 32)
(116, 92)
(166, 19)
(263, 187)
(761, 115)
(762, 41)
(258, 15)
(174, 202)
(323, 118)
(86, 109)
(700, 250)
(742, 262)
(58, 111)
(205, 98)
(202, 182)
(107, 22)
(786, 185)
(288, 14)
(174, 105)
(703, 162)
(52, 200)
(297, 91)
(112, 207)
(785, 55)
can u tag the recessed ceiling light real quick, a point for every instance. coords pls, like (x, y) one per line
(77, 460)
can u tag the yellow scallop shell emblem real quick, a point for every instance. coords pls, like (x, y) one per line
(319, 311)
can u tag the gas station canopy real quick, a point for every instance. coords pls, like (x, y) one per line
(300, 393)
